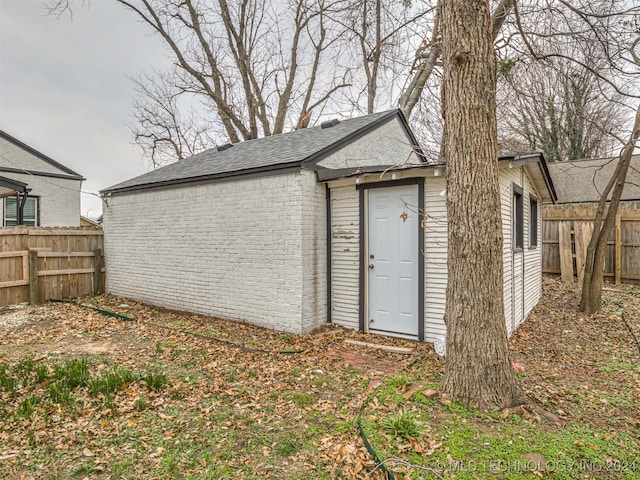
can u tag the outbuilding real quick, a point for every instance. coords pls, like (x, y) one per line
(344, 222)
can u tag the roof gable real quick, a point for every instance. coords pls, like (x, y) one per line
(49, 166)
(268, 154)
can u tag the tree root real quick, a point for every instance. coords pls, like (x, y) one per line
(532, 411)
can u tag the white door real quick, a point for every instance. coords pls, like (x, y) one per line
(392, 260)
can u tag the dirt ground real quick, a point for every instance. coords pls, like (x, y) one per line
(576, 366)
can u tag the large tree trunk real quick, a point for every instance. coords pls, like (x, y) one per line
(591, 301)
(478, 368)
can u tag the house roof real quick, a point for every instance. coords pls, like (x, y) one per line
(269, 154)
(9, 186)
(583, 180)
(540, 175)
(67, 171)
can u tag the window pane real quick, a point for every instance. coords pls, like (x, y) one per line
(533, 222)
(29, 211)
(10, 208)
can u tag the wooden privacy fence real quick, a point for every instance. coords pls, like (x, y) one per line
(37, 264)
(566, 232)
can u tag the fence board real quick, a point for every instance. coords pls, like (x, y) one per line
(582, 234)
(65, 259)
(623, 250)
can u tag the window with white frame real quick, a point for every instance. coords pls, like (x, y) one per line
(29, 214)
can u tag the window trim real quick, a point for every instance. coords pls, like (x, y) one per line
(517, 220)
(36, 220)
(533, 222)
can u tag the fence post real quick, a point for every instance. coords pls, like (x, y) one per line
(97, 271)
(33, 277)
(618, 248)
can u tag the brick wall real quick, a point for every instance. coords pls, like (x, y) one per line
(240, 250)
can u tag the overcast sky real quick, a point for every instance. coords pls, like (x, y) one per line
(65, 87)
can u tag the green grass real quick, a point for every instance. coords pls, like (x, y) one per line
(404, 425)
(156, 380)
(59, 383)
(111, 381)
(303, 399)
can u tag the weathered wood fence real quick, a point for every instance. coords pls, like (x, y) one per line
(37, 264)
(566, 231)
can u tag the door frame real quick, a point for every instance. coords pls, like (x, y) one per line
(364, 241)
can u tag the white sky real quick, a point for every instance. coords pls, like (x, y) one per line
(65, 87)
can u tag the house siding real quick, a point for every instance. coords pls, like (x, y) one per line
(435, 258)
(521, 292)
(231, 250)
(522, 269)
(379, 147)
(345, 256)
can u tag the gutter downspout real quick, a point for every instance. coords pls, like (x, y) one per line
(21, 201)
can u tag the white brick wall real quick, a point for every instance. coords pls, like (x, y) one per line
(240, 250)
(314, 253)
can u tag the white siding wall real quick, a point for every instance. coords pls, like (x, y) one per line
(386, 145)
(522, 270)
(435, 258)
(346, 243)
(345, 255)
(314, 253)
(231, 250)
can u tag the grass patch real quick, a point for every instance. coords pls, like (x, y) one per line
(404, 425)
(156, 380)
(303, 399)
(111, 381)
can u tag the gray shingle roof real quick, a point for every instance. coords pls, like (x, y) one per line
(277, 151)
(583, 180)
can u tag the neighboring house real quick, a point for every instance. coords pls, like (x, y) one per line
(46, 192)
(582, 181)
(294, 230)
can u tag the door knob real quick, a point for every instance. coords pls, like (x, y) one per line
(371, 266)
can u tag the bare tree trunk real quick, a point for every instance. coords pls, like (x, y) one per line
(478, 369)
(591, 300)
(411, 96)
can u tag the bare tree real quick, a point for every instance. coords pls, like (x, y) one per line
(385, 34)
(478, 369)
(590, 301)
(163, 130)
(427, 57)
(256, 67)
(559, 109)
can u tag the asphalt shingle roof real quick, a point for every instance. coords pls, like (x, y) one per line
(277, 150)
(583, 180)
